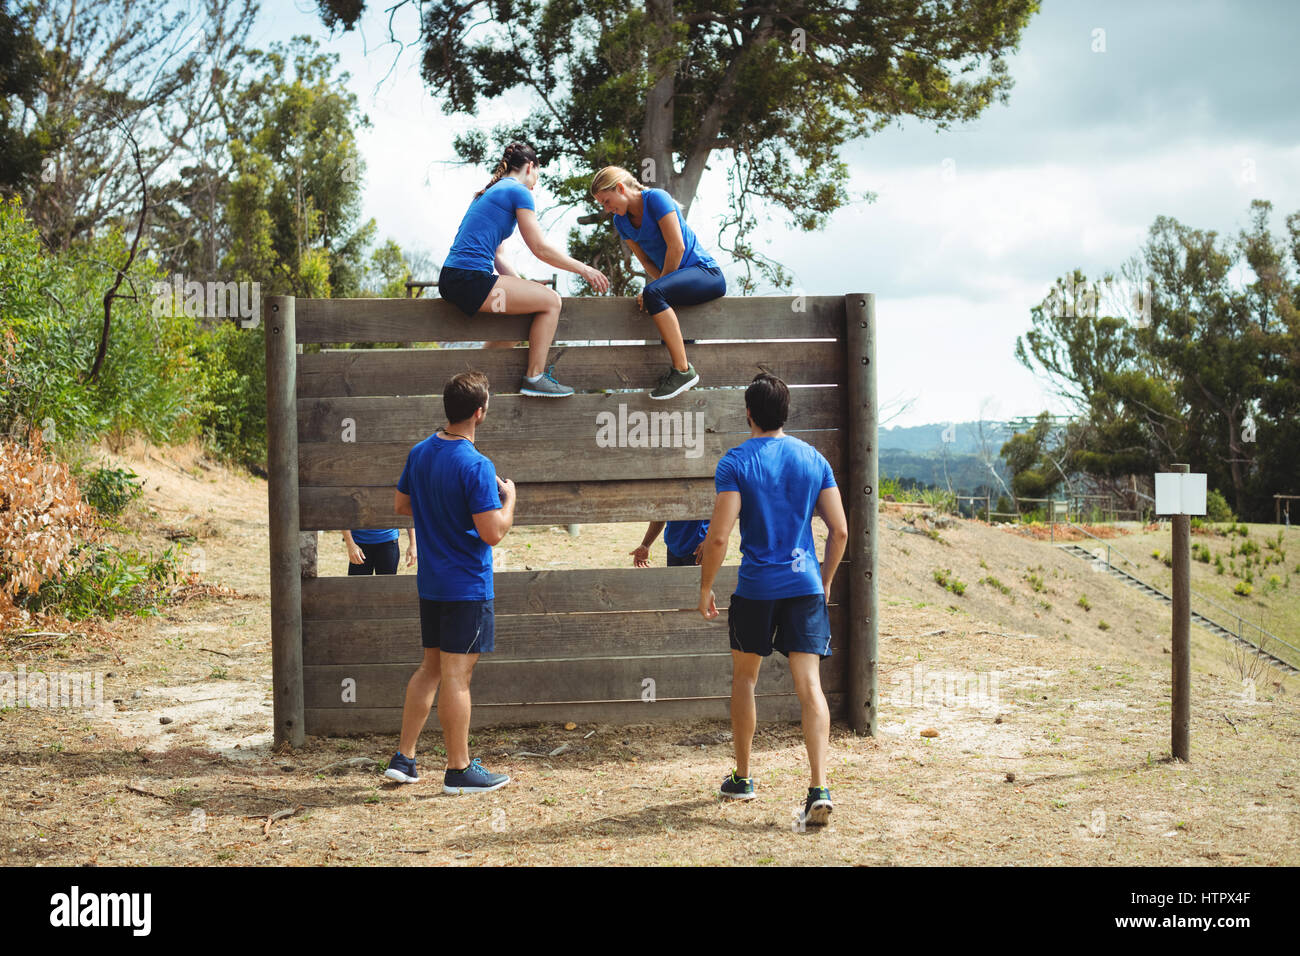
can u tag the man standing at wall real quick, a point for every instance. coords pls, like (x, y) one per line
(461, 509)
(774, 483)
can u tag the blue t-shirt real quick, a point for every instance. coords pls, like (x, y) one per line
(658, 204)
(374, 535)
(683, 537)
(449, 482)
(779, 480)
(488, 223)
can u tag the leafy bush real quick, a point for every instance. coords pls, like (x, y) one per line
(108, 581)
(1216, 507)
(1242, 589)
(41, 518)
(231, 408)
(110, 490)
(54, 313)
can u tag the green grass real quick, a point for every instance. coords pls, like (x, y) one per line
(1236, 568)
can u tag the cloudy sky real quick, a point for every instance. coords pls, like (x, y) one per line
(1121, 112)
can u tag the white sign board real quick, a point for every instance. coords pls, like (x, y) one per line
(1180, 494)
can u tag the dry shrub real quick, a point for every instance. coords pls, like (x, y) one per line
(42, 521)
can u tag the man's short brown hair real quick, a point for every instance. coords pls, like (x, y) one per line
(768, 401)
(464, 395)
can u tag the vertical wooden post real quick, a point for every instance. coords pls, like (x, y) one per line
(1180, 644)
(282, 493)
(861, 500)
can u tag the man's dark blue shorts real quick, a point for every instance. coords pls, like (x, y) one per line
(791, 625)
(458, 627)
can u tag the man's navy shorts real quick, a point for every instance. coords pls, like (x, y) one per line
(458, 627)
(791, 625)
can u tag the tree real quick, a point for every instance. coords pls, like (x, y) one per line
(22, 71)
(1208, 373)
(1030, 460)
(388, 271)
(296, 194)
(147, 68)
(662, 87)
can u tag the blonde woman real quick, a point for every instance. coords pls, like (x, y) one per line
(467, 276)
(681, 272)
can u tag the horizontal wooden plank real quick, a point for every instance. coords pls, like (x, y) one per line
(569, 502)
(773, 708)
(582, 318)
(344, 464)
(368, 419)
(586, 369)
(389, 597)
(502, 681)
(539, 636)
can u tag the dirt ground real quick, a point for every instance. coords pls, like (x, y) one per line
(1046, 741)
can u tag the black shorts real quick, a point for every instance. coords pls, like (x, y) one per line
(380, 558)
(458, 627)
(791, 625)
(467, 288)
(680, 560)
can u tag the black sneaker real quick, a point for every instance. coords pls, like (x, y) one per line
(473, 779)
(402, 769)
(674, 382)
(737, 788)
(817, 808)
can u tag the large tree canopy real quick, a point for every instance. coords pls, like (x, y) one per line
(1205, 372)
(660, 87)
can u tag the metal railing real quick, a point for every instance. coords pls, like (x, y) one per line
(1267, 638)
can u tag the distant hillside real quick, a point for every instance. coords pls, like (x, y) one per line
(963, 438)
(967, 473)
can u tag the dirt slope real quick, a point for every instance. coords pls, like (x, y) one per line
(1050, 739)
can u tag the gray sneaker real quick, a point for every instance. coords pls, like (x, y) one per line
(546, 386)
(674, 382)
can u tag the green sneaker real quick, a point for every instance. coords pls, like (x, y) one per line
(674, 382)
(737, 788)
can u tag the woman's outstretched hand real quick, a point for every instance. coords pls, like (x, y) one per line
(595, 278)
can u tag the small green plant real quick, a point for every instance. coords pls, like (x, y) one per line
(1243, 589)
(994, 583)
(1156, 554)
(110, 490)
(1103, 626)
(1218, 564)
(942, 579)
(1167, 560)
(1035, 582)
(107, 581)
(1083, 602)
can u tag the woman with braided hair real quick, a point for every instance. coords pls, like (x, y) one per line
(467, 276)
